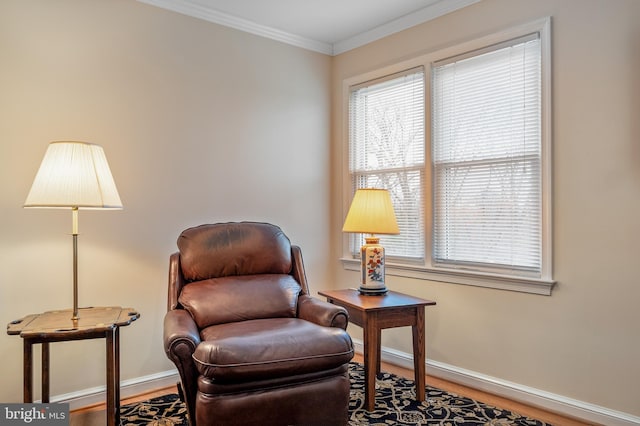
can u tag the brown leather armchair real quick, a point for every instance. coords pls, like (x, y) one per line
(251, 345)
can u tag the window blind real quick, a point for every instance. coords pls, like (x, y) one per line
(486, 154)
(386, 150)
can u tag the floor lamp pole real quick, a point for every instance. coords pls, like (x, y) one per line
(74, 213)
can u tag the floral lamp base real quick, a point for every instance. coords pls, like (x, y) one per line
(372, 267)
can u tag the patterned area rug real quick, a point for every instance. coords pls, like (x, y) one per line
(395, 405)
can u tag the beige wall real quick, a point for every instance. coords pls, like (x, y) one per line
(583, 341)
(200, 123)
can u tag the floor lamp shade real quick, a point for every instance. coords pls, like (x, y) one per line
(74, 175)
(372, 212)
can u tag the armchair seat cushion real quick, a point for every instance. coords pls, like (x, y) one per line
(270, 348)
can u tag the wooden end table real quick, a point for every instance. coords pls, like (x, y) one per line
(373, 313)
(57, 326)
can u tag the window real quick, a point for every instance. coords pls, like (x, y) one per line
(486, 155)
(386, 150)
(465, 157)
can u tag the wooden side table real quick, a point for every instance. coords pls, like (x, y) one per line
(57, 326)
(373, 313)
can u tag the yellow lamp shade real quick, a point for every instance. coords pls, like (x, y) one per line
(371, 212)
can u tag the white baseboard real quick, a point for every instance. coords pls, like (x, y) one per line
(534, 397)
(128, 388)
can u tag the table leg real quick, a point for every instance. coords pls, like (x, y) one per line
(113, 377)
(371, 359)
(45, 372)
(27, 371)
(116, 374)
(379, 353)
(419, 356)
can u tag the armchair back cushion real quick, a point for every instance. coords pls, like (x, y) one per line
(222, 264)
(222, 250)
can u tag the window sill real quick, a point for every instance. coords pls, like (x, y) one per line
(500, 282)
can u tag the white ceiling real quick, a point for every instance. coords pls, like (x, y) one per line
(327, 26)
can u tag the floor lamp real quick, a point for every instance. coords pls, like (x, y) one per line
(74, 175)
(371, 212)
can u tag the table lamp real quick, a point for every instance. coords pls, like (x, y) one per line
(74, 175)
(371, 212)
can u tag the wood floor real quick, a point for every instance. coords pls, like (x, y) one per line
(487, 398)
(95, 415)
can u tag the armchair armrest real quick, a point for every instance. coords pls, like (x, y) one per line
(181, 338)
(322, 313)
(180, 329)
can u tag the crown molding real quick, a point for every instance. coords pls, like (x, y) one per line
(435, 10)
(211, 15)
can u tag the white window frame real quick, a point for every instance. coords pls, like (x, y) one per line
(542, 284)
(413, 171)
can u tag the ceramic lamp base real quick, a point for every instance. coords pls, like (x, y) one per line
(372, 264)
